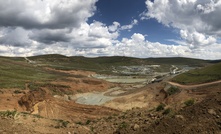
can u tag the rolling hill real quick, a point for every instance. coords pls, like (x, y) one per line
(16, 72)
(104, 64)
(197, 76)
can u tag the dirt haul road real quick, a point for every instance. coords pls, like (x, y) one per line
(194, 86)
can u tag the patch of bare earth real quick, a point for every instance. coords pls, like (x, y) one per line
(9, 99)
(81, 81)
(202, 117)
(146, 97)
(24, 123)
(46, 114)
(53, 115)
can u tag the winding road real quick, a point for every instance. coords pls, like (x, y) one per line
(194, 86)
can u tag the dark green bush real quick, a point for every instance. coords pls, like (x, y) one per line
(172, 90)
(18, 92)
(167, 111)
(88, 122)
(189, 102)
(9, 114)
(123, 125)
(160, 107)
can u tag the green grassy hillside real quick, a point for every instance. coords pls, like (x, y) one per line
(16, 72)
(203, 75)
(105, 64)
(178, 61)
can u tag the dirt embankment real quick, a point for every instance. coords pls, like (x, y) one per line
(202, 117)
(145, 97)
(49, 114)
(81, 81)
(42, 103)
(30, 99)
(9, 99)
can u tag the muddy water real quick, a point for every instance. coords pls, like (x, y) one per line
(123, 79)
(128, 80)
(100, 98)
(94, 98)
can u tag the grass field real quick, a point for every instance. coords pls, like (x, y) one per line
(15, 73)
(203, 75)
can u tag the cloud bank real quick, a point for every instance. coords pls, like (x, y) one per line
(198, 21)
(61, 26)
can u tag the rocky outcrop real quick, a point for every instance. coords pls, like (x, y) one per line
(33, 97)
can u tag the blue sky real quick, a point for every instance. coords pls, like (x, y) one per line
(141, 28)
(124, 11)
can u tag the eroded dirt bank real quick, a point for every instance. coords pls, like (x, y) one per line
(204, 116)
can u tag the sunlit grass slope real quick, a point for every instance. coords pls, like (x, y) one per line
(15, 73)
(203, 75)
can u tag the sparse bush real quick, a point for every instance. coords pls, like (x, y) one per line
(160, 107)
(123, 125)
(34, 86)
(167, 111)
(172, 90)
(110, 117)
(189, 102)
(37, 116)
(18, 92)
(9, 114)
(123, 116)
(87, 122)
(157, 122)
(115, 114)
(62, 123)
(80, 90)
(65, 123)
(92, 129)
(79, 123)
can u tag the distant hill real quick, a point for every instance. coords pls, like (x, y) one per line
(215, 61)
(179, 61)
(203, 75)
(103, 64)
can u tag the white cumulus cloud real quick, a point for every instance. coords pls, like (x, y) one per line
(130, 26)
(45, 13)
(199, 21)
